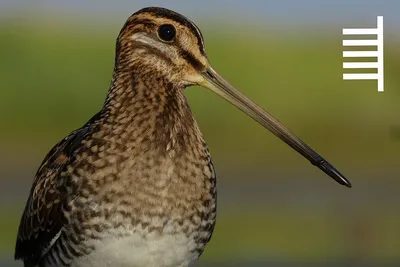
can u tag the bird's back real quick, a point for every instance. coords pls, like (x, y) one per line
(43, 217)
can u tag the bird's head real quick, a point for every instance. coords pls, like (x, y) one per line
(164, 43)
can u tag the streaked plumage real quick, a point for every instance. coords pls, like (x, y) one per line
(135, 186)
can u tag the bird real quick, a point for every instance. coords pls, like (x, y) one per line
(136, 185)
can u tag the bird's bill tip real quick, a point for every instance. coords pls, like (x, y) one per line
(327, 168)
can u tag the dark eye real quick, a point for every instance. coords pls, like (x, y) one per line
(166, 32)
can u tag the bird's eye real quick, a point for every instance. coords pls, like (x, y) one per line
(166, 32)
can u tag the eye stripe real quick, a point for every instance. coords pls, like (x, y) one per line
(191, 59)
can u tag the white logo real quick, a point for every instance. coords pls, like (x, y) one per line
(378, 42)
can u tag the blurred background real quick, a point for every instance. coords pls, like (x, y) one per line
(275, 209)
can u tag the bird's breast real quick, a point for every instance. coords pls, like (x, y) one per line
(151, 185)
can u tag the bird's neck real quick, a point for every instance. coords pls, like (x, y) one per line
(143, 110)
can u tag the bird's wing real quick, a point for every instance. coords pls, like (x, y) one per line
(43, 219)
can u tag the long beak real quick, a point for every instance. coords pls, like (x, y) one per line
(220, 86)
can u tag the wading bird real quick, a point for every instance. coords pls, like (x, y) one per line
(135, 185)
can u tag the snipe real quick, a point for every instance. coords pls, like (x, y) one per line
(135, 186)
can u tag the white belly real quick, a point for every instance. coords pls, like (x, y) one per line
(138, 250)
